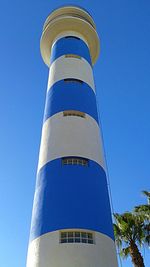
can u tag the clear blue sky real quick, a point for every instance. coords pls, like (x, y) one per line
(122, 76)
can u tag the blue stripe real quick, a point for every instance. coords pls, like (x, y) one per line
(71, 196)
(70, 96)
(66, 46)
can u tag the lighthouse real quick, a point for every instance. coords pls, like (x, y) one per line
(71, 219)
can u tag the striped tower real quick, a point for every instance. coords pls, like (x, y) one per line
(71, 221)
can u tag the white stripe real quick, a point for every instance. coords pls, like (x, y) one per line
(63, 68)
(70, 136)
(46, 251)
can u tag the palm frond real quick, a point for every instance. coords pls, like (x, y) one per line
(147, 234)
(143, 211)
(125, 252)
(117, 234)
(147, 194)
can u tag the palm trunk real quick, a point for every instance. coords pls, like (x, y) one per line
(136, 256)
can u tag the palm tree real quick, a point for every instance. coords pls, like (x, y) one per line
(143, 211)
(147, 194)
(129, 235)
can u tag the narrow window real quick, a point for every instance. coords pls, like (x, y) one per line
(72, 80)
(72, 56)
(75, 37)
(75, 161)
(76, 237)
(73, 113)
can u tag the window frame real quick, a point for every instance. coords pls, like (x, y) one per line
(67, 113)
(75, 37)
(75, 161)
(73, 56)
(77, 236)
(73, 80)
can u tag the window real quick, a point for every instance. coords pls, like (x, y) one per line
(76, 237)
(72, 56)
(75, 161)
(73, 80)
(75, 37)
(73, 113)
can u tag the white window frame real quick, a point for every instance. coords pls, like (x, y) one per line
(72, 56)
(74, 113)
(84, 237)
(75, 161)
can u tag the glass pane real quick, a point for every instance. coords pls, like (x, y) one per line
(63, 235)
(84, 240)
(64, 240)
(77, 234)
(77, 240)
(90, 241)
(89, 235)
(70, 234)
(70, 240)
(83, 234)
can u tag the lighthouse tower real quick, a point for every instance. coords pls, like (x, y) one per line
(71, 221)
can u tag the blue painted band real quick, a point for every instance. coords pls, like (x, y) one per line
(71, 196)
(70, 96)
(70, 45)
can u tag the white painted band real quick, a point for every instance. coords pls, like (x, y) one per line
(70, 136)
(63, 68)
(46, 251)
